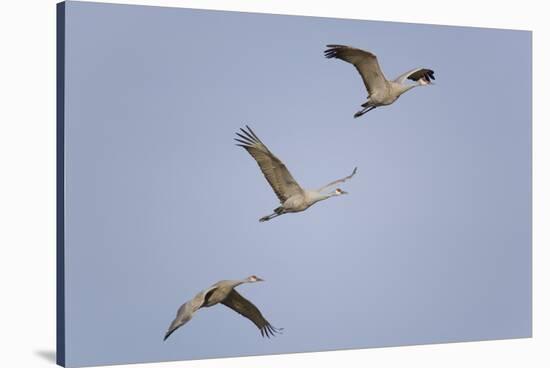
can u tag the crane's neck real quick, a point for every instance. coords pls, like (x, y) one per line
(235, 283)
(402, 88)
(315, 196)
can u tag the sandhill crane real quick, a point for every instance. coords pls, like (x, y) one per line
(381, 91)
(224, 292)
(292, 197)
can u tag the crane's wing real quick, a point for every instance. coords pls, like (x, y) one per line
(274, 170)
(245, 308)
(416, 74)
(365, 62)
(186, 311)
(338, 181)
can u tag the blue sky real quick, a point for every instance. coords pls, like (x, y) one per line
(433, 244)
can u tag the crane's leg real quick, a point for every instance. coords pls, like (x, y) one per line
(364, 111)
(269, 217)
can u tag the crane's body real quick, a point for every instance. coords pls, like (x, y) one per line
(292, 196)
(300, 202)
(219, 291)
(381, 91)
(223, 292)
(388, 95)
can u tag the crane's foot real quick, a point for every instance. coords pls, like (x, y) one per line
(269, 217)
(364, 111)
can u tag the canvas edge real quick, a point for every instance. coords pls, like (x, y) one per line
(60, 183)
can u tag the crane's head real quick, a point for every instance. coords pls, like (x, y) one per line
(427, 78)
(339, 191)
(424, 81)
(254, 278)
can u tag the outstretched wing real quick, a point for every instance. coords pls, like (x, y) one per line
(186, 311)
(338, 181)
(365, 62)
(245, 308)
(274, 170)
(416, 74)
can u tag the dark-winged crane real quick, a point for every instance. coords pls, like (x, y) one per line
(223, 292)
(381, 91)
(292, 196)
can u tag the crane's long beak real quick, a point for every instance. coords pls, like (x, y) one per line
(259, 279)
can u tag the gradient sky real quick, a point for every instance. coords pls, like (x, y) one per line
(432, 245)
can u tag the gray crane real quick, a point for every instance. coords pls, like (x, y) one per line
(381, 91)
(291, 195)
(224, 292)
